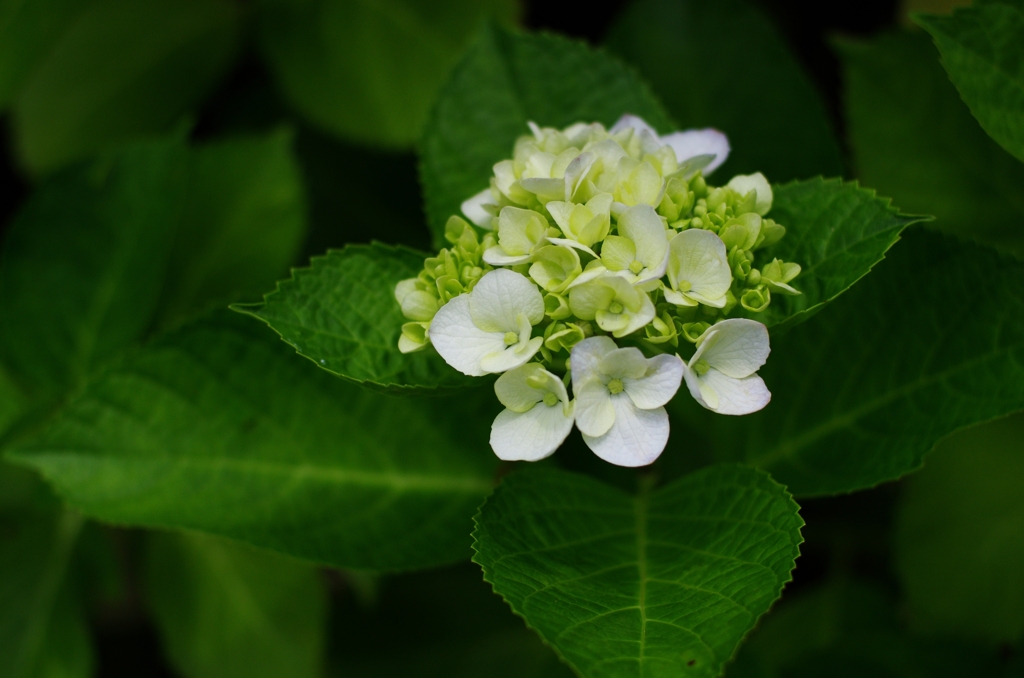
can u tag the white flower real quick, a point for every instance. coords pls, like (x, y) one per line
(640, 252)
(488, 330)
(698, 269)
(521, 233)
(476, 208)
(722, 375)
(617, 306)
(745, 183)
(695, 149)
(538, 414)
(582, 225)
(620, 398)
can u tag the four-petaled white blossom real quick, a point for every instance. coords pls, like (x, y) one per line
(489, 330)
(639, 253)
(620, 398)
(722, 374)
(698, 270)
(538, 414)
(695, 149)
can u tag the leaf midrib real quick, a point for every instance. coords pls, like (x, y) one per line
(816, 433)
(401, 482)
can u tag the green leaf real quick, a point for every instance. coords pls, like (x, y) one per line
(219, 428)
(226, 610)
(505, 80)
(863, 392)
(837, 232)
(242, 226)
(369, 71)
(914, 139)
(84, 263)
(40, 625)
(722, 64)
(981, 50)
(27, 31)
(450, 623)
(665, 583)
(122, 68)
(958, 542)
(341, 313)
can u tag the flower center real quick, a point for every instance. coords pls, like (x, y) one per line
(684, 286)
(615, 307)
(701, 367)
(550, 399)
(635, 267)
(511, 338)
(615, 386)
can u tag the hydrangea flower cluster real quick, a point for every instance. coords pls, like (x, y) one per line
(591, 250)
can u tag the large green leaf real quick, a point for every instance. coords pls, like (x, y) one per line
(665, 583)
(862, 392)
(913, 139)
(122, 68)
(226, 610)
(721, 64)
(341, 313)
(958, 541)
(505, 80)
(242, 225)
(981, 49)
(837, 232)
(220, 428)
(369, 70)
(84, 262)
(41, 627)
(27, 31)
(450, 623)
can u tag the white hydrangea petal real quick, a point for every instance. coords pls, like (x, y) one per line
(640, 318)
(733, 396)
(737, 347)
(514, 392)
(532, 435)
(593, 271)
(701, 299)
(576, 172)
(407, 345)
(511, 357)
(634, 122)
(636, 438)
(644, 227)
(623, 363)
(698, 162)
(565, 242)
(659, 385)
(595, 414)
(495, 256)
(474, 210)
(419, 305)
(693, 142)
(677, 298)
(745, 183)
(584, 358)
(561, 212)
(459, 341)
(500, 296)
(699, 257)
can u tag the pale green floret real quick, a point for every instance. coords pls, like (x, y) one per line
(640, 252)
(777, 274)
(554, 268)
(756, 186)
(583, 225)
(521, 232)
(538, 414)
(617, 306)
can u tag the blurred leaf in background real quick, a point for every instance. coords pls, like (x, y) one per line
(442, 623)
(959, 537)
(722, 64)
(227, 610)
(912, 138)
(369, 70)
(119, 69)
(981, 51)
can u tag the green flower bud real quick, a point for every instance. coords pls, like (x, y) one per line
(741, 231)
(663, 330)
(740, 261)
(756, 299)
(699, 186)
(455, 228)
(693, 331)
(449, 287)
(413, 337)
(677, 201)
(771, 233)
(778, 273)
(556, 307)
